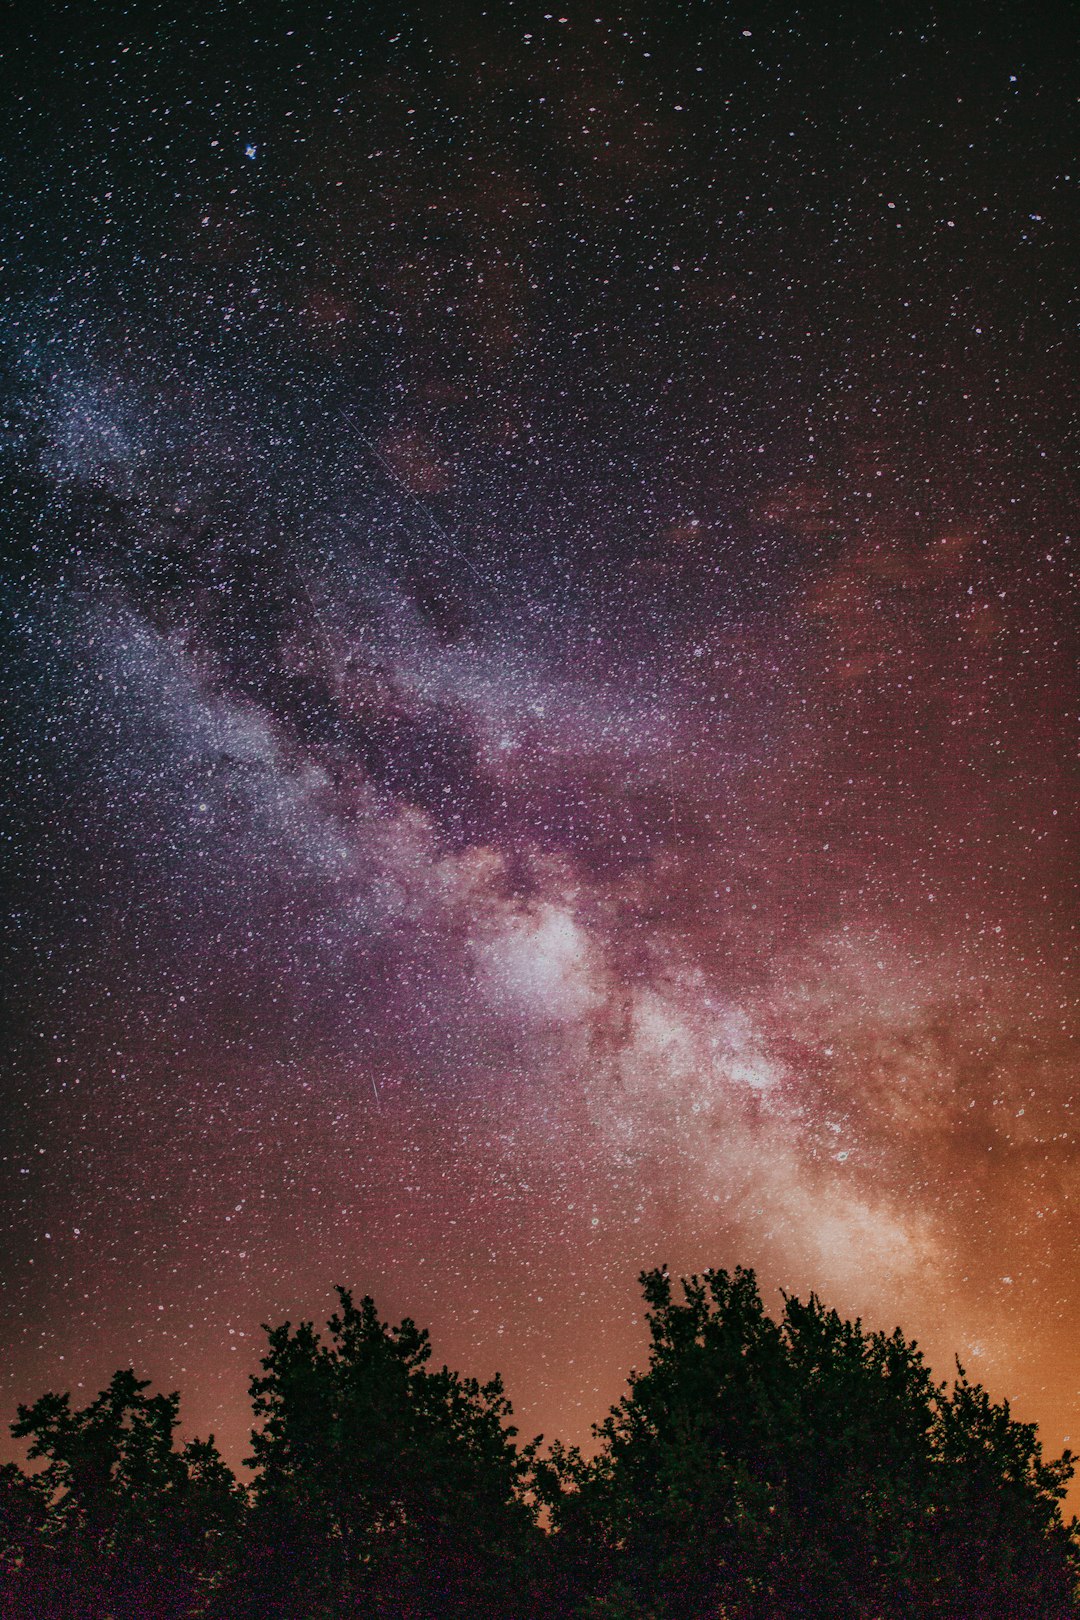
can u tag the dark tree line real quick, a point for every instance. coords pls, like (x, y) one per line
(756, 1470)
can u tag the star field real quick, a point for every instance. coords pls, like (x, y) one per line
(539, 685)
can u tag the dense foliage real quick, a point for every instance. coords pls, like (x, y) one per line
(756, 1470)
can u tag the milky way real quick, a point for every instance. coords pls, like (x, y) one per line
(536, 629)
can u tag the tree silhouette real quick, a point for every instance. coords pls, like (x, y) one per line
(381, 1487)
(805, 1468)
(23, 1513)
(757, 1469)
(126, 1524)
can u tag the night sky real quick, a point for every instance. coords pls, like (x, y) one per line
(539, 684)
